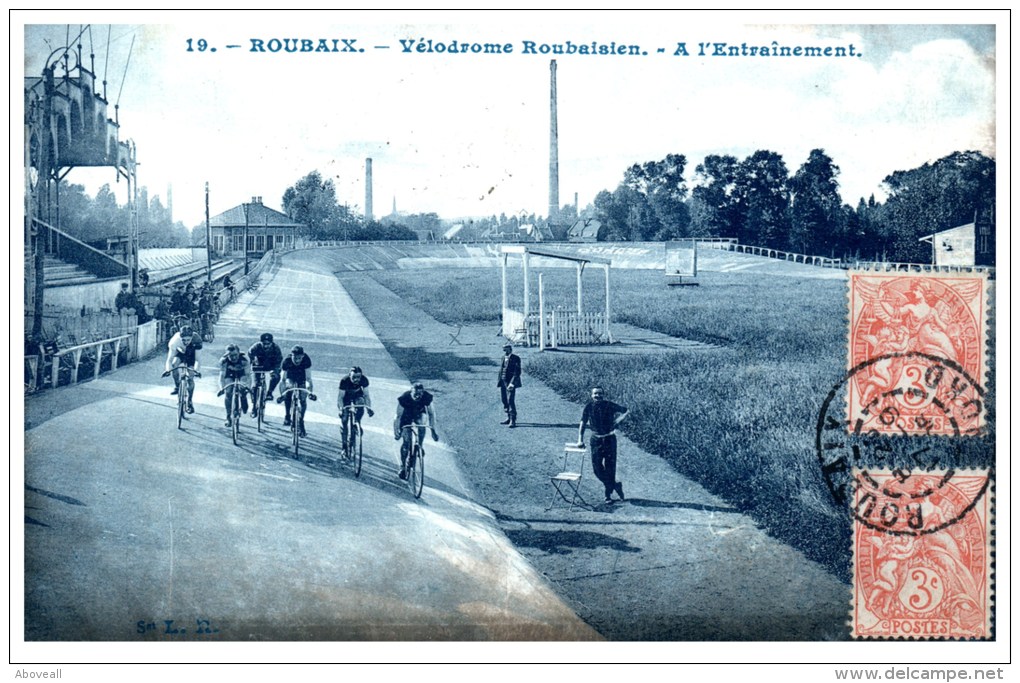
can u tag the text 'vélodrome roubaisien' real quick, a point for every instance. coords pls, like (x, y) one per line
(431, 46)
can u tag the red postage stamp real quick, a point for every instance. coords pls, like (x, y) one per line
(922, 555)
(917, 352)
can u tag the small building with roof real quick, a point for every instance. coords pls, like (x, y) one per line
(584, 230)
(971, 244)
(266, 229)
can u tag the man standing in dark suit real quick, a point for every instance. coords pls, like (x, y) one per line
(509, 381)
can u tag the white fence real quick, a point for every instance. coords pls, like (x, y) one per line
(562, 328)
(570, 328)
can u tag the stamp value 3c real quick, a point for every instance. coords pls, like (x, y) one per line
(917, 352)
(922, 555)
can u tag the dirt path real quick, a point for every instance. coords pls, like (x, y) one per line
(673, 562)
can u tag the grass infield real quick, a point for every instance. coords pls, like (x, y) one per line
(739, 418)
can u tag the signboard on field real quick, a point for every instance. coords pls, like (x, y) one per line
(682, 258)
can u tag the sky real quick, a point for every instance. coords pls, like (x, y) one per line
(468, 134)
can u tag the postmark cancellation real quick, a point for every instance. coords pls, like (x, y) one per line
(917, 353)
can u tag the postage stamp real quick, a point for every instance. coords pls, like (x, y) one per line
(917, 352)
(922, 555)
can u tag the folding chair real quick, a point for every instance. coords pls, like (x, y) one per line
(568, 481)
(454, 337)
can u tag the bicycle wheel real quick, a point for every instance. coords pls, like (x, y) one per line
(182, 402)
(259, 401)
(416, 471)
(356, 450)
(235, 417)
(295, 430)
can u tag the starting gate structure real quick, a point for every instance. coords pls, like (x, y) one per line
(552, 328)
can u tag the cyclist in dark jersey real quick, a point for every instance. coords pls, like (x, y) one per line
(353, 390)
(234, 366)
(266, 355)
(296, 373)
(414, 407)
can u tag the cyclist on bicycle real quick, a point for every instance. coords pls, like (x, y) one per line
(265, 355)
(412, 409)
(205, 312)
(296, 373)
(353, 391)
(234, 366)
(182, 349)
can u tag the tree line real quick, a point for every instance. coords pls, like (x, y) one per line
(95, 219)
(759, 202)
(312, 201)
(755, 200)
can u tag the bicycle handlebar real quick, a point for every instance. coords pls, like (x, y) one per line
(244, 387)
(311, 396)
(187, 368)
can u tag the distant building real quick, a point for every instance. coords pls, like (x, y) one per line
(452, 232)
(267, 229)
(972, 244)
(584, 230)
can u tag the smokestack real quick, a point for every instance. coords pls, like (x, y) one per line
(368, 190)
(554, 155)
(170, 202)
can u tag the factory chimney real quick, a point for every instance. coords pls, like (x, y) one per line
(368, 190)
(554, 156)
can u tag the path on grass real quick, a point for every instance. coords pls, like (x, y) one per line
(671, 563)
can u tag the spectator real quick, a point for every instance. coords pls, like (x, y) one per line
(603, 416)
(509, 381)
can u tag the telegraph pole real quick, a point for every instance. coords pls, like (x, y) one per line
(208, 238)
(247, 208)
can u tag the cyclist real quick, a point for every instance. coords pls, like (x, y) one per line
(265, 354)
(353, 391)
(205, 312)
(182, 349)
(412, 408)
(296, 373)
(234, 366)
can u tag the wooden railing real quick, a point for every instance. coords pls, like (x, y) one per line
(94, 353)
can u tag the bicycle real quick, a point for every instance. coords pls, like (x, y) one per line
(208, 333)
(179, 321)
(235, 406)
(184, 393)
(416, 459)
(296, 415)
(351, 447)
(258, 399)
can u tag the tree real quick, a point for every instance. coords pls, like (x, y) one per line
(312, 201)
(619, 212)
(663, 189)
(934, 197)
(817, 220)
(763, 200)
(713, 205)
